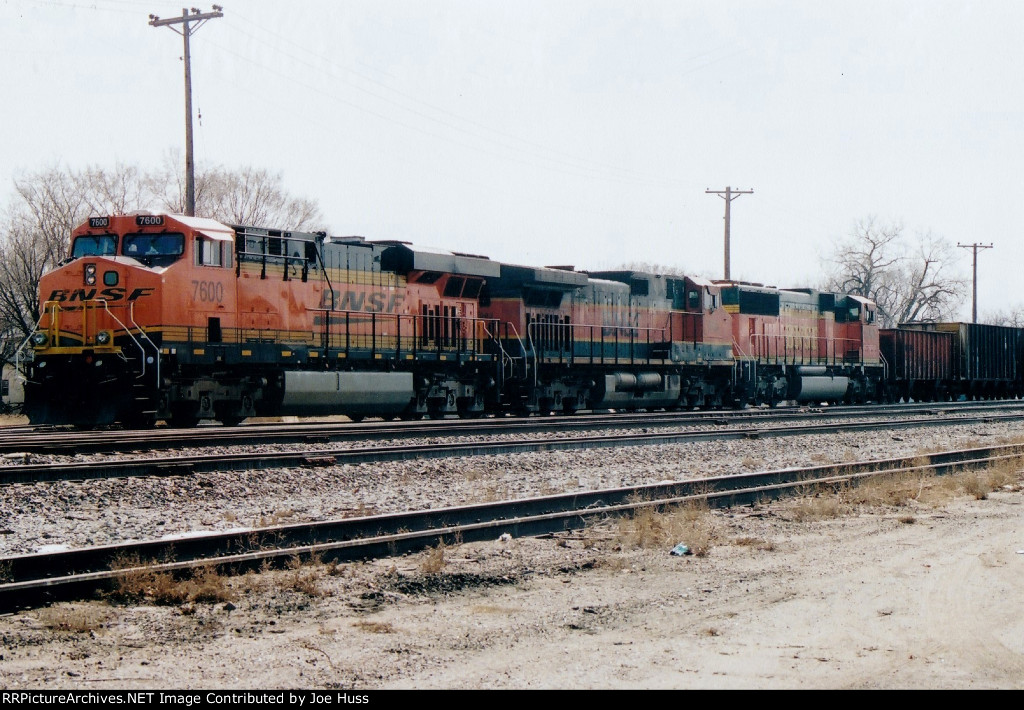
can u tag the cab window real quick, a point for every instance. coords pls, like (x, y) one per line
(154, 245)
(94, 245)
(212, 253)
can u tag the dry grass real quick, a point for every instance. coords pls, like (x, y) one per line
(73, 619)
(492, 609)
(691, 524)
(374, 627)
(1007, 474)
(818, 507)
(434, 561)
(305, 576)
(907, 489)
(754, 542)
(137, 583)
(895, 491)
(976, 485)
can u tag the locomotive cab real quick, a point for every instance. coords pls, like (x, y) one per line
(130, 284)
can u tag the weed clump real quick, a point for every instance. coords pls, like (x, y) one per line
(136, 583)
(691, 524)
(72, 619)
(434, 560)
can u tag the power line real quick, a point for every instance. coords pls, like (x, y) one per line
(198, 19)
(448, 119)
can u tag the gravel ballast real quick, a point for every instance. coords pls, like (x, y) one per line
(49, 516)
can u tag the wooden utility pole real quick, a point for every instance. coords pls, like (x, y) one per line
(974, 297)
(189, 24)
(728, 194)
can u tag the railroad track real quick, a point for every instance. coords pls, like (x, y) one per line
(63, 441)
(207, 463)
(37, 579)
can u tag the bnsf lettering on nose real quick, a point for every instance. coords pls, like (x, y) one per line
(88, 294)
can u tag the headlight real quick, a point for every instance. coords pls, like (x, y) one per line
(90, 274)
(103, 337)
(39, 339)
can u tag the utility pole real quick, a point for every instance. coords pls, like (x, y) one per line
(189, 24)
(974, 298)
(728, 194)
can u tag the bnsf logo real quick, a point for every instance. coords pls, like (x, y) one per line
(376, 302)
(87, 294)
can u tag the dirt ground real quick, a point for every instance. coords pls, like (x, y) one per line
(788, 595)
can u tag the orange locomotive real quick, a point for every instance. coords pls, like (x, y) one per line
(632, 340)
(164, 317)
(182, 318)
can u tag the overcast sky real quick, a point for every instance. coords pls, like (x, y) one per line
(579, 132)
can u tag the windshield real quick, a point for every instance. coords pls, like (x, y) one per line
(94, 245)
(164, 244)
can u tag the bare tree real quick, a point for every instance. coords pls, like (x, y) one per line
(648, 267)
(926, 290)
(250, 196)
(1013, 317)
(863, 262)
(23, 259)
(117, 191)
(44, 209)
(910, 281)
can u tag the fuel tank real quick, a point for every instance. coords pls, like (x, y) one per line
(815, 384)
(353, 393)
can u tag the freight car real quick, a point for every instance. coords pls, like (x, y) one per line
(943, 361)
(164, 317)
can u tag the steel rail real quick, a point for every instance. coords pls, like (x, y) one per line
(209, 463)
(33, 580)
(54, 440)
